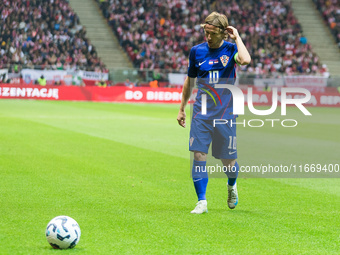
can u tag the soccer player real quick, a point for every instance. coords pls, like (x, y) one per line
(213, 62)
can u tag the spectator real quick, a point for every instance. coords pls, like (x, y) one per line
(101, 83)
(324, 71)
(128, 83)
(42, 81)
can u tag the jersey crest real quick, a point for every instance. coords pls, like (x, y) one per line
(224, 60)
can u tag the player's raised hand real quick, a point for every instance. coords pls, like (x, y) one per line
(181, 118)
(232, 32)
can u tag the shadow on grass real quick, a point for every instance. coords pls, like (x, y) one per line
(233, 211)
(49, 248)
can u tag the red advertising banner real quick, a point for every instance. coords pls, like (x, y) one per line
(92, 93)
(141, 94)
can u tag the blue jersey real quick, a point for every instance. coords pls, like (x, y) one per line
(213, 66)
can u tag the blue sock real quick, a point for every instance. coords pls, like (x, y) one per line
(200, 178)
(232, 175)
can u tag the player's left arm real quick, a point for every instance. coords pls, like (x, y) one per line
(243, 56)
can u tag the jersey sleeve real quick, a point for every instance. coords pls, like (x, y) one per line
(192, 70)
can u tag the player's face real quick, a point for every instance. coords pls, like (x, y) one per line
(213, 36)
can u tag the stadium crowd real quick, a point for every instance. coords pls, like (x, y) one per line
(330, 10)
(44, 34)
(159, 34)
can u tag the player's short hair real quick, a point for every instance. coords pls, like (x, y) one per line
(218, 20)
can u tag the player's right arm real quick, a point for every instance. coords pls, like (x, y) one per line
(188, 86)
(187, 90)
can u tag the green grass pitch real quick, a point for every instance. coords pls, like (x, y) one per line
(122, 172)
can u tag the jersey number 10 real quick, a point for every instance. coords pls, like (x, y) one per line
(214, 76)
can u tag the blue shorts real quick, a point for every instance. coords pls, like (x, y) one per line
(222, 137)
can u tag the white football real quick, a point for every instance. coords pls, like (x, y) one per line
(63, 232)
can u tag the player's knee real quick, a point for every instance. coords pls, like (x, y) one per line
(228, 162)
(200, 156)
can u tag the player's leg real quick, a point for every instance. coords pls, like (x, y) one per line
(224, 148)
(199, 174)
(232, 169)
(200, 179)
(200, 139)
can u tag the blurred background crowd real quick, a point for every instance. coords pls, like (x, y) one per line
(40, 34)
(159, 34)
(330, 10)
